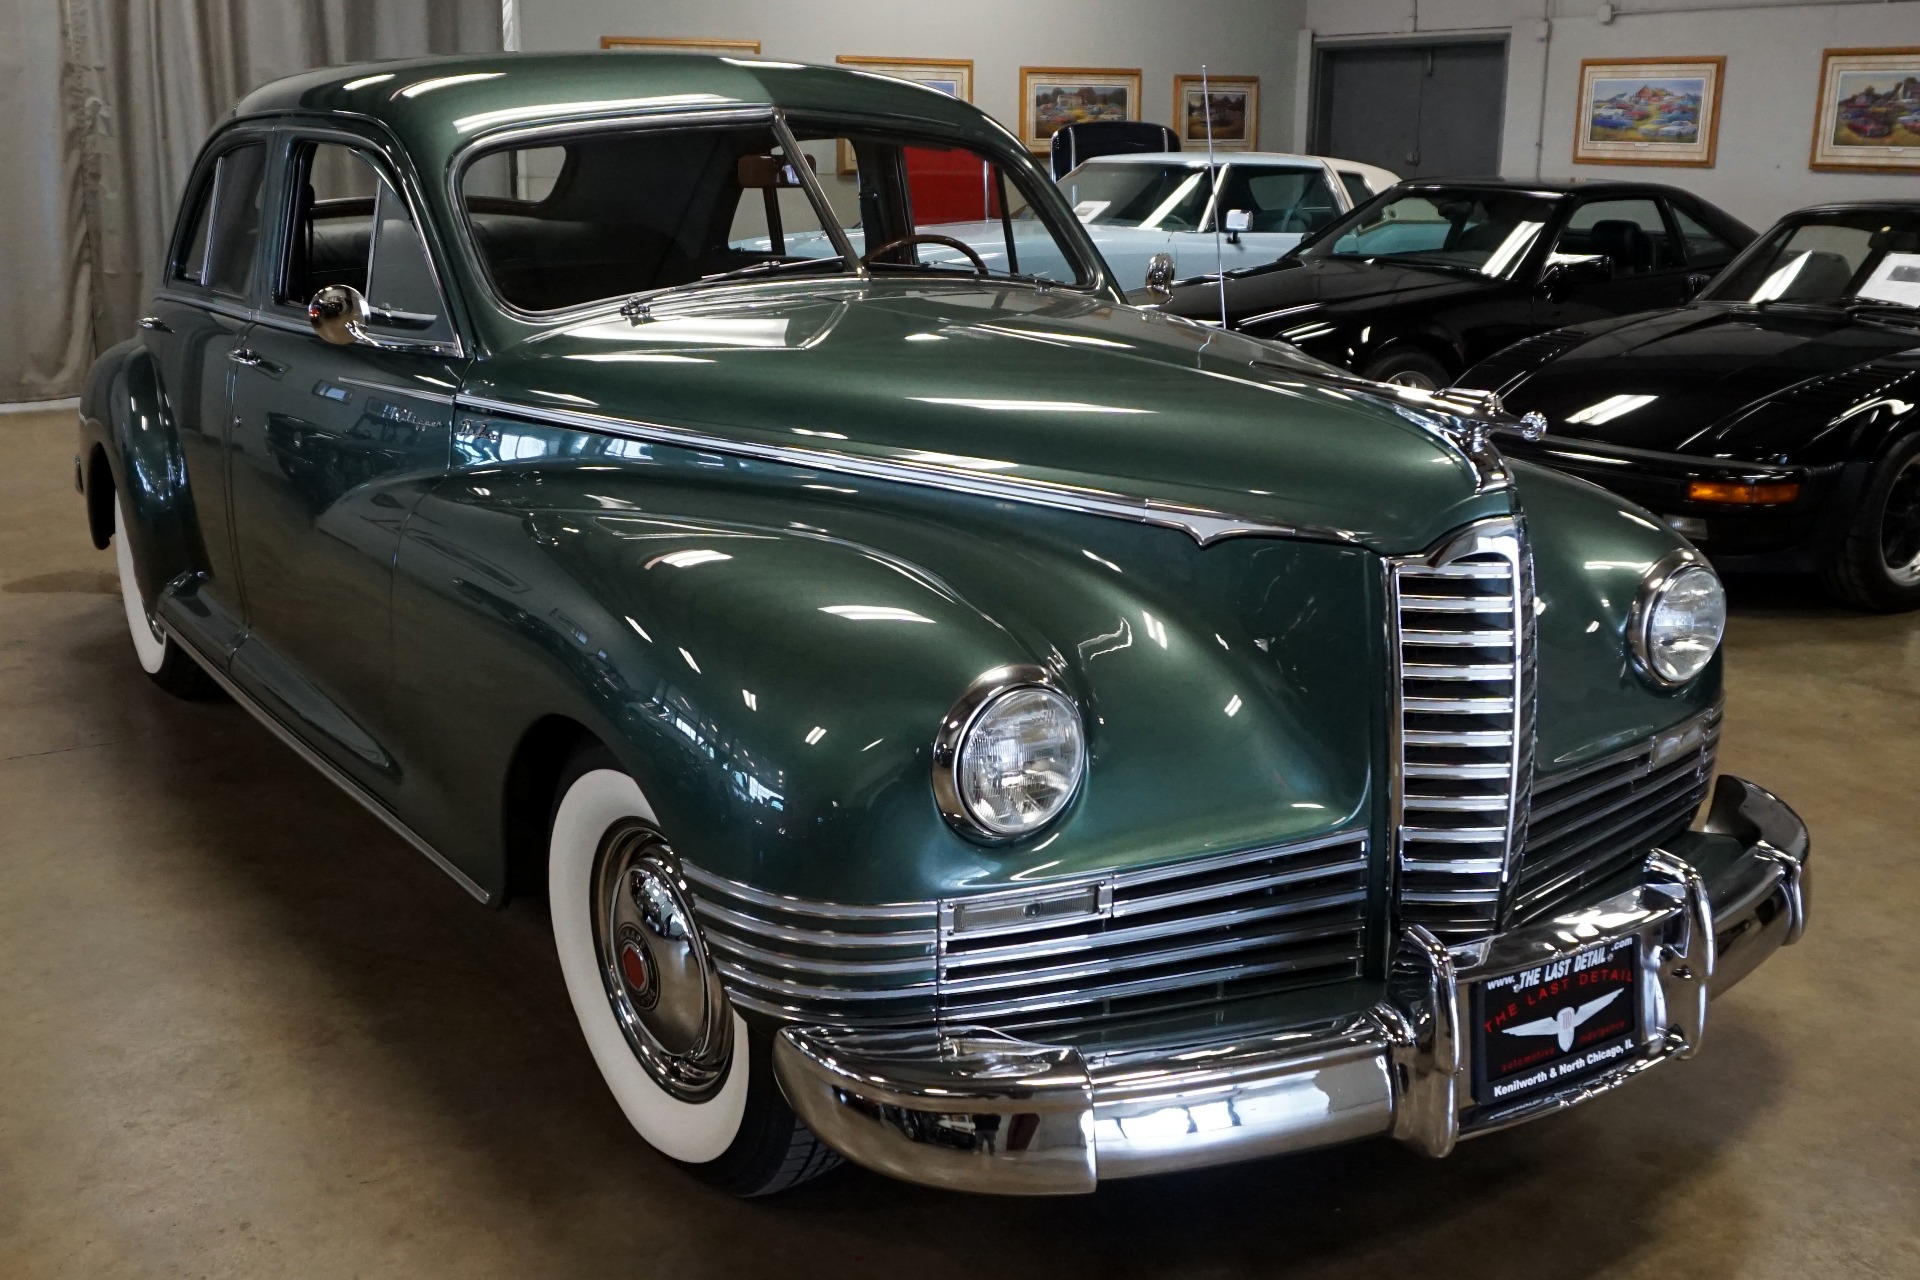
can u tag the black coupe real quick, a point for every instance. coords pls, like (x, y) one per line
(1430, 277)
(1775, 420)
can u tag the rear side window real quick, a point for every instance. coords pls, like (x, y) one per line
(352, 227)
(225, 228)
(1629, 233)
(1357, 189)
(1280, 199)
(1705, 248)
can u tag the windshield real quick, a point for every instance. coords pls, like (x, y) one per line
(1162, 197)
(560, 224)
(1854, 256)
(1486, 232)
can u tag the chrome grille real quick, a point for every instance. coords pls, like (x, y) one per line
(1464, 721)
(824, 962)
(1062, 960)
(1594, 822)
(1161, 939)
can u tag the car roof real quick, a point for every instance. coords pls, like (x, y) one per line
(1549, 189)
(437, 105)
(1198, 159)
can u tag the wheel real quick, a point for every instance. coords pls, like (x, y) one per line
(164, 661)
(1877, 564)
(1408, 367)
(693, 1078)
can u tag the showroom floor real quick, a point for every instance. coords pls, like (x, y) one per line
(244, 1031)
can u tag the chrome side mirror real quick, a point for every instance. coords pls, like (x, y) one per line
(1238, 220)
(1160, 277)
(337, 314)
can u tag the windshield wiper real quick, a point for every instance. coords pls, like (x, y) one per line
(1882, 306)
(1415, 260)
(767, 266)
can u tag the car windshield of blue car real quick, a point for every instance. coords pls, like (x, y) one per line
(1154, 196)
(612, 214)
(1487, 233)
(1857, 259)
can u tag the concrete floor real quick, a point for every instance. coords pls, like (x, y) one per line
(244, 1031)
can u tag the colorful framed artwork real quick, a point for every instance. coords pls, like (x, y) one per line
(1649, 111)
(1233, 103)
(1051, 97)
(679, 44)
(1869, 112)
(951, 76)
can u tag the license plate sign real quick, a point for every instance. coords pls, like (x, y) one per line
(1542, 1029)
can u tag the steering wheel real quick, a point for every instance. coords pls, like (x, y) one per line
(979, 265)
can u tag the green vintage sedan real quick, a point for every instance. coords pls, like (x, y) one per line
(958, 722)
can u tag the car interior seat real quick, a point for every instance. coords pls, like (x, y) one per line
(1623, 243)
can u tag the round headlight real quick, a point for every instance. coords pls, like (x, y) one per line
(1680, 617)
(1009, 758)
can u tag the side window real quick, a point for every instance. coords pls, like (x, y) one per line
(352, 227)
(1280, 199)
(218, 251)
(1357, 189)
(1704, 247)
(1630, 234)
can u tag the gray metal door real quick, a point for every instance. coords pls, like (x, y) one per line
(1421, 110)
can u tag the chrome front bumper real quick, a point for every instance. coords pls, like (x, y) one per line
(981, 1112)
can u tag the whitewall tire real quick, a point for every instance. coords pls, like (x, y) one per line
(162, 659)
(692, 1076)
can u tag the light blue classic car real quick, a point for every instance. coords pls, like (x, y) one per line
(1137, 206)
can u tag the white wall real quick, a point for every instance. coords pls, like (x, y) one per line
(1233, 37)
(1766, 115)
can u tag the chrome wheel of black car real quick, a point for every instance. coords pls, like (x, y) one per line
(1900, 525)
(660, 982)
(1408, 367)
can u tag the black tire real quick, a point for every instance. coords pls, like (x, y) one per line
(1408, 367)
(1876, 565)
(770, 1150)
(164, 661)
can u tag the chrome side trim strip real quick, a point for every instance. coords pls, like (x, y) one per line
(807, 907)
(1203, 525)
(325, 767)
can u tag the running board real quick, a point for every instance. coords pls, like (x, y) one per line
(326, 767)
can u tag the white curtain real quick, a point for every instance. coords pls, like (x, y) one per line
(106, 104)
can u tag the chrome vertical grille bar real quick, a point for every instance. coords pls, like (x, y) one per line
(1463, 726)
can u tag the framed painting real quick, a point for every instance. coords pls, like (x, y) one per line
(680, 44)
(1051, 97)
(1649, 111)
(951, 76)
(1231, 102)
(1868, 116)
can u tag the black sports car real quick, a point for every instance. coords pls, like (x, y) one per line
(1775, 420)
(1430, 277)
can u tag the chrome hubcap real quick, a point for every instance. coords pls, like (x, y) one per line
(1900, 526)
(1418, 381)
(662, 985)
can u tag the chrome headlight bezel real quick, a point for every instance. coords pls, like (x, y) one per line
(1671, 570)
(966, 715)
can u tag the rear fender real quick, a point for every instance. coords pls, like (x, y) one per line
(132, 451)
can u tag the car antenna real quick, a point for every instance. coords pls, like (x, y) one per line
(1213, 190)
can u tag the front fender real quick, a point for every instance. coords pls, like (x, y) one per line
(773, 667)
(131, 450)
(1591, 552)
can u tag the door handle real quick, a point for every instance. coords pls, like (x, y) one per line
(156, 324)
(254, 360)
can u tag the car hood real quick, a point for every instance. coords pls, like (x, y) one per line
(1037, 385)
(1322, 288)
(1700, 366)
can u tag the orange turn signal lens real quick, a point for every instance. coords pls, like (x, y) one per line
(1744, 493)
